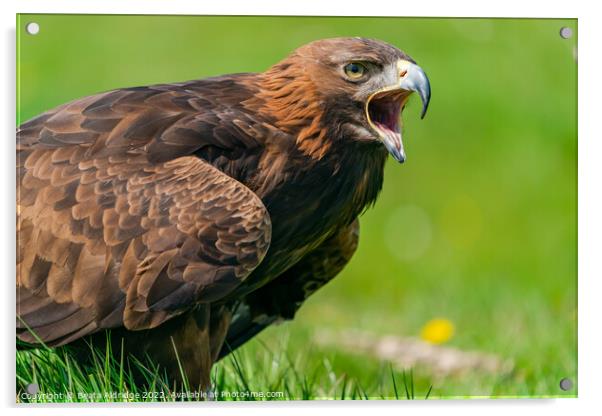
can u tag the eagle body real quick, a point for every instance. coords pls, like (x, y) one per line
(187, 217)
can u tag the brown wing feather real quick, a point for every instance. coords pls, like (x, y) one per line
(281, 298)
(107, 236)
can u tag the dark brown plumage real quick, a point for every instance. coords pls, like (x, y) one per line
(195, 213)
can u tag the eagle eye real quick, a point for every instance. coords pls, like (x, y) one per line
(355, 70)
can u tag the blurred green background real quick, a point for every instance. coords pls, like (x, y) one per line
(479, 226)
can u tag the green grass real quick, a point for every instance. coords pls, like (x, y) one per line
(110, 378)
(478, 226)
(278, 365)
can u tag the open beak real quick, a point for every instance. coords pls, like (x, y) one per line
(384, 107)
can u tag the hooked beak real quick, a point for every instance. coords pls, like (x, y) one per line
(384, 107)
(414, 79)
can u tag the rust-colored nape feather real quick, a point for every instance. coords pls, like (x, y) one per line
(288, 96)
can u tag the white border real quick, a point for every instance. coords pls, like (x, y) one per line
(590, 206)
(462, 8)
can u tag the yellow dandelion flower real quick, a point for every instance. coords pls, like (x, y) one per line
(437, 331)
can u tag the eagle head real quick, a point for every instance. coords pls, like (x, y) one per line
(345, 89)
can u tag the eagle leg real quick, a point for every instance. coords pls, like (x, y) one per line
(183, 348)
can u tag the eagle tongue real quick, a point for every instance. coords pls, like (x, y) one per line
(393, 143)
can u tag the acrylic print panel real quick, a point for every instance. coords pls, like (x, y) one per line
(171, 224)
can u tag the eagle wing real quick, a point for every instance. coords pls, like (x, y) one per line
(117, 225)
(282, 297)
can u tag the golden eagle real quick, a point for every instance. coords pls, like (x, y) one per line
(192, 215)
